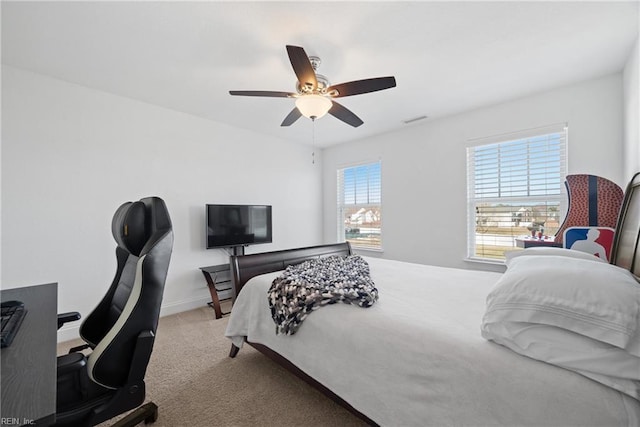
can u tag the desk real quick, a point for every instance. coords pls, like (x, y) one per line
(29, 363)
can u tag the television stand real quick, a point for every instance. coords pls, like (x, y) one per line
(218, 279)
(237, 250)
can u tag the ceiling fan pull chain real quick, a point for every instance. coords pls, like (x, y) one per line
(313, 140)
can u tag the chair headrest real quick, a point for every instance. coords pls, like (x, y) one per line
(129, 227)
(158, 221)
(158, 215)
(137, 226)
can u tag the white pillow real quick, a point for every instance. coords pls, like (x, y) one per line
(541, 250)
(594, 299)
(604, 363)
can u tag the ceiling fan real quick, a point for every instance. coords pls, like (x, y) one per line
(314, 95)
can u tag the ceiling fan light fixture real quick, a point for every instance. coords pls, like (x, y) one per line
(313, 106)
(314, 94)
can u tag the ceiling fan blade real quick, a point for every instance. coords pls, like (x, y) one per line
(302, 67)
(266, 93)
(291, 117)
(358, 87)
(340, 112)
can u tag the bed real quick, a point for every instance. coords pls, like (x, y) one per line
(447, 346)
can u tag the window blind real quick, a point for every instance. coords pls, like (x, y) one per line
(360, 205)
(515, 188)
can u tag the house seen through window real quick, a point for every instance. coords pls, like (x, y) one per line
(515, 188)
(360, 206)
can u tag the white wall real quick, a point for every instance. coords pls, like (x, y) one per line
(631, 85)
(424, 166)
(71, 155)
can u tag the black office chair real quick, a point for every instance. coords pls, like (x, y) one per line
(121, 329)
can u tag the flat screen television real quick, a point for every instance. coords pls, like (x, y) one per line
(237, 225)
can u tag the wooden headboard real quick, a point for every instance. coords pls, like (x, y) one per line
(244, 267)
(624, 252)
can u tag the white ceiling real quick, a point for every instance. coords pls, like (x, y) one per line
(447, 57)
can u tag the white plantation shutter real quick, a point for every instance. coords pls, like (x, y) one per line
(360, 205)
(515, 186)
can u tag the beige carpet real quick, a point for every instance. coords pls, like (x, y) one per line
(195, 383)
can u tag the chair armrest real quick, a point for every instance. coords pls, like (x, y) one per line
(70, 363)
(71, 316)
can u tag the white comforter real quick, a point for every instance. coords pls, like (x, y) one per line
(416, 358)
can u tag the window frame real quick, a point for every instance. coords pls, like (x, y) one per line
(509, 138)
(341, 205)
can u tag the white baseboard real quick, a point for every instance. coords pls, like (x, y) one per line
(73, 331)
(180, 306)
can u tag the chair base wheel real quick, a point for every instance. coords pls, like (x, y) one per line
(153, 417)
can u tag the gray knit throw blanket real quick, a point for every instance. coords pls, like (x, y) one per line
(312, 284)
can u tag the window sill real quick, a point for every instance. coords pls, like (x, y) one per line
(484, 261)
(356, 248)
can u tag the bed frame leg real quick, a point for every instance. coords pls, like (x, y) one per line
(234, 351)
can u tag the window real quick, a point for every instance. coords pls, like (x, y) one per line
(515, 189)
(360, 206)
